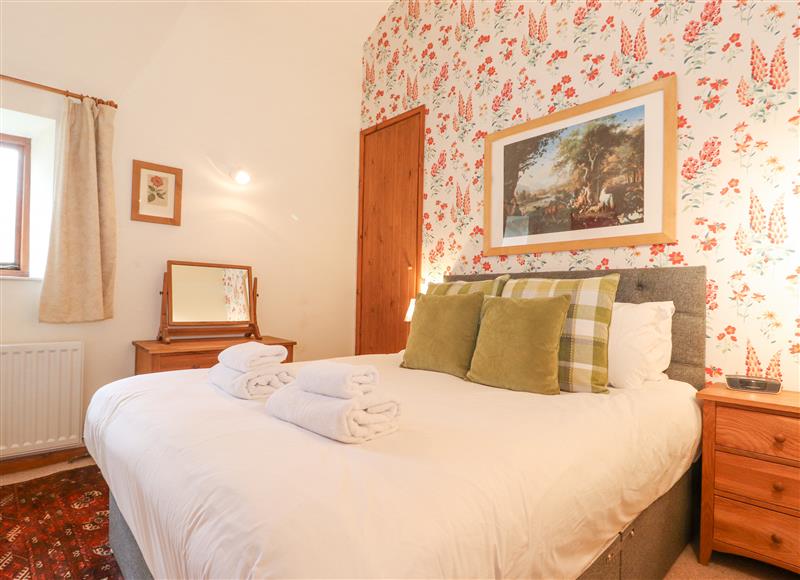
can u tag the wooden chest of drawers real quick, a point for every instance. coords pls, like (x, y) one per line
(153, 356)
(751, 475)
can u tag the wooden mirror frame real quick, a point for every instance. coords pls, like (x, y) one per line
(169, 328)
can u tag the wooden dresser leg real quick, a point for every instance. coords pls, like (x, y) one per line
(707, 499)
(705, 551)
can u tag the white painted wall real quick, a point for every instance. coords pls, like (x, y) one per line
(274, 88)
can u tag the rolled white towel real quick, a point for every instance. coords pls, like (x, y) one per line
(259, 383)
(246, 356)
(336, 379)
(352, 420)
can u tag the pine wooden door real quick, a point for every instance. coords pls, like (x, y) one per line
(390, 230)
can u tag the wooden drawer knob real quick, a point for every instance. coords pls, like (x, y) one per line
(780, 438)
(778, 486)
(776, 539)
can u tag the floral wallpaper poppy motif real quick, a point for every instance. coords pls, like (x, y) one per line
(480, 67)
(234, 283)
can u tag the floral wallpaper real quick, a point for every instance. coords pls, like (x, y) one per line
(480, 67)
(237, 294)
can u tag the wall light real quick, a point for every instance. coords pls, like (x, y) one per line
(410, 311)
(241, 177)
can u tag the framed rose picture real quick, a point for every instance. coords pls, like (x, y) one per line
(598, 175)
(156, 193)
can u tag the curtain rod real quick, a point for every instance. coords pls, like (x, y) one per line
(55, 90)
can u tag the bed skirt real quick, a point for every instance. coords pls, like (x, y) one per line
(646, 548)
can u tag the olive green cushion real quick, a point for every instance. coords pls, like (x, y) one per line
(443, 333)
(518, 344)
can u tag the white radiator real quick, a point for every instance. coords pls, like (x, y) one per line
(41, 397)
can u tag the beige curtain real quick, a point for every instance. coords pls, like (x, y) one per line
(79, 280)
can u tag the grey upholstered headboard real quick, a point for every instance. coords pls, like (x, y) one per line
(686, 287)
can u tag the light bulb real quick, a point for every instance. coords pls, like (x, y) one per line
(410, 311)
(241, 177)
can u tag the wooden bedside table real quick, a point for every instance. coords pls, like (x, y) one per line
(751, 475)
(153, 356)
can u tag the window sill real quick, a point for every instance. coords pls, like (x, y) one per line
(21, 278)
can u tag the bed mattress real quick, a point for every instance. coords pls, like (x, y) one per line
(478, 481)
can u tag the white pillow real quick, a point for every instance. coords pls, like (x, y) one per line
(639, 343)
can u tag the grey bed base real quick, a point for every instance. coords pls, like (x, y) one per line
(123, 544)
(647, 547)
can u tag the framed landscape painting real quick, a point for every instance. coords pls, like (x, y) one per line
(598, 175)
(156, 193)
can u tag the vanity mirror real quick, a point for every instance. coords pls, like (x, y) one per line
(204, 299)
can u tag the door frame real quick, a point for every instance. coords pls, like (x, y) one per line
(420, 185)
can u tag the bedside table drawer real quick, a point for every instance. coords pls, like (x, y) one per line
(765, 532)
(187, 360)
(759, 432)
(757, 479)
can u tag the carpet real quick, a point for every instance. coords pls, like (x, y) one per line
(56, 527)
(723, 567)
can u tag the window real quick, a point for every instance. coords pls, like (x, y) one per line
(15, 177)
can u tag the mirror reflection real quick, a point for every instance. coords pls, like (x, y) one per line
(209, 294)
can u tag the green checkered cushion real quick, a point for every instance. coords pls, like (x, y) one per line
(487, 287)
(583, 352)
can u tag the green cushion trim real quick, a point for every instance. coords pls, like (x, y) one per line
(443, 333)
(518, 344)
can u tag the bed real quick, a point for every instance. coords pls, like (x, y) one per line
(478, 482)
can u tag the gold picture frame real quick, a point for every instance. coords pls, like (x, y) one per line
(546, 189)
(156, 193)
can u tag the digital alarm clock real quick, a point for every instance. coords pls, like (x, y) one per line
(753, 384)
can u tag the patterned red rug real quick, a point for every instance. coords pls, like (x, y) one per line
(56, 527)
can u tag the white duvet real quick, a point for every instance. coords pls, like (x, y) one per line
(478, 482)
